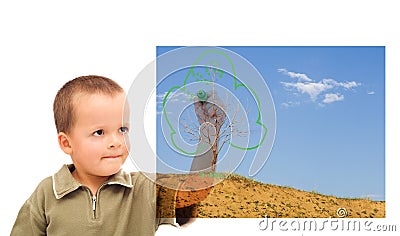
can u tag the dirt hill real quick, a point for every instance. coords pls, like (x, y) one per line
(240, 197)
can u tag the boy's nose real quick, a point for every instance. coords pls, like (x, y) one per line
(115, 141)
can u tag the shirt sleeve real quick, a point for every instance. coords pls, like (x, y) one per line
(29, 222)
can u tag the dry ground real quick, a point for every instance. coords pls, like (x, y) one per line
(240, 197)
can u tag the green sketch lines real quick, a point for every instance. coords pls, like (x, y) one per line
(213, 69)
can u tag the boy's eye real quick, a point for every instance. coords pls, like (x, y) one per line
(98, 132)
(123, 130)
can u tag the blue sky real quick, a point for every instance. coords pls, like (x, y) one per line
(330, 118)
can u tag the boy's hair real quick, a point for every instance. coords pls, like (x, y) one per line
(63, 106)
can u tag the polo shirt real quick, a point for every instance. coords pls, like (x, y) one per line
(126, 204)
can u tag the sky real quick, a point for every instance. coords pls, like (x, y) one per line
(330, 118)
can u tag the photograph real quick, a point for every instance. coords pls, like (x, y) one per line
(293, 132)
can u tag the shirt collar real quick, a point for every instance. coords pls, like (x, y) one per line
(64, 183)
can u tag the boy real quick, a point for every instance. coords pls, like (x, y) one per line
(93, 196)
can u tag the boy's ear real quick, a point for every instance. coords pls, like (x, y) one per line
(65, 143)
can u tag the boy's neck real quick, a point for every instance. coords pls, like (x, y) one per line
(90, 181)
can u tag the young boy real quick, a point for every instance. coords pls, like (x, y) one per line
(93, 196)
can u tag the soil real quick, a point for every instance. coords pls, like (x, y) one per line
(235, 196)
(240, 197)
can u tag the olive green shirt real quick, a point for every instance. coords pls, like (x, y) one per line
(124, 205)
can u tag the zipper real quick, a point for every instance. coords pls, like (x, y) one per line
(94, 206)
(94, 199)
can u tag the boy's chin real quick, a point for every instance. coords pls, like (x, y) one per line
(111, 169)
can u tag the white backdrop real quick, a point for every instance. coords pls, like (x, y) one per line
(43, 44)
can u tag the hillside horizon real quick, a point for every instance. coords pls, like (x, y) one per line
(236, 196)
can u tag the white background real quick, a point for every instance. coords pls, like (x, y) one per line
(43, 44)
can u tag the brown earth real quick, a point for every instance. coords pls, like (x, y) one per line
(239, 197)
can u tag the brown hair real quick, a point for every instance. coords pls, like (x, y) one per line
(63, 106)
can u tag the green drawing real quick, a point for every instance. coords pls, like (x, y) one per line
(202, 95)
(199, 77)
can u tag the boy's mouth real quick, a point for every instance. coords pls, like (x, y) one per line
(111, 157)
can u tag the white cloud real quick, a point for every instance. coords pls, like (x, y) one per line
(173, 98)
(299, 76)
(332, 97)
(346, 85)
(161, 112)
(371, 92)
(317, 90)
(178, 96)
(290, 104)
(312, 89)
(160, 97)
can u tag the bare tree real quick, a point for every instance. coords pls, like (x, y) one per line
(212, 129)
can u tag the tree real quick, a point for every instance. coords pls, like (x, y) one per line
(212, 130)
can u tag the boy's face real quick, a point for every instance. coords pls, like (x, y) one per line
(97, 138)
